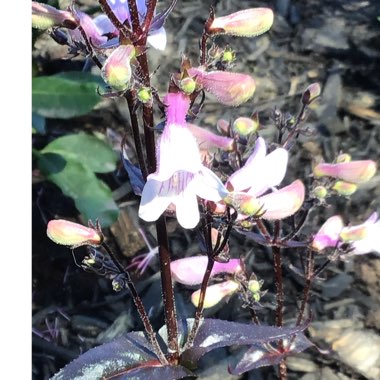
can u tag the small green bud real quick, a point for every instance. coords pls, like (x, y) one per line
(344, 157)
(320, 192)
(144, 95)
(187, 85)
(245, 125)
(254, 286)
(344, 188)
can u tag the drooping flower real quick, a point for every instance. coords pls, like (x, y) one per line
(190, 270)
(328, 234)
(215, 293)
(246, 23)
(231, 89)
(116, 70)
(73, 234)
(353, 171)
(180, 176)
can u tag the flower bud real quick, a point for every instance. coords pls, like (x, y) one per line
(144, 95)
(245, 23)
(116, 70)
(284, 202)
(244, 126)
(243, 203)
(208, 140)
(344, 157)
(45, 16)
(320, 192)
(191, 270)
(231, 89)
(328, 234)
(344, 188)
(254, 286)
(215, 293)
(223, 126)
(187, 85)
(72, 234)
(311, 93)
(228, 56)
(355, 233)
(354, 171)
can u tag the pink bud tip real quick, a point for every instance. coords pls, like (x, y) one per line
(208, 140)
(353, 171)
(311, 93)
(215, 293)
(231, 89)
(190, 270)
(344, 188)
(45, 16)
(244, 126)
(245, 23)
(73, 234)
(328, 234)
(117, 71)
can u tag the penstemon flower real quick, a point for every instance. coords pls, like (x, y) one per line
(180, 176)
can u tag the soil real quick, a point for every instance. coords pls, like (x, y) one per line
(335, 43)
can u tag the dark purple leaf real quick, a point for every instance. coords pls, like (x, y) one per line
(215, 333)
(160, 19)
(265, 355)
(128, 357)
(261, 240)
(134, 174)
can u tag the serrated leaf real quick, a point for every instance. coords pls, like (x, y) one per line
(65, 95)
(126, 358)
(89, 150)
(92, 197)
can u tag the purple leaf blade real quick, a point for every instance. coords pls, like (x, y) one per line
(260, 356)
(214, 333)
(127, 357)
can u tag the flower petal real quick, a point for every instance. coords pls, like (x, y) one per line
(152, 205)
(207, 185)
(187, 211)
(158, 39)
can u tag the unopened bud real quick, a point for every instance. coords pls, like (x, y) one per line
(311, 93)
(344, 188)
(245, 23)
(228, 56)
(244, 126)
(45, 16)
(320, 192)
(73, 234)
(231, 89)
(187, 85)
(144, 95)
(215, 293)
(353, 171)
(344, 157)
(254, 286)
(117, 71)
(243, 203)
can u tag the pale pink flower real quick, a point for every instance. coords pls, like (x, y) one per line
(328, 234)
(215, 293)
(180, 176)
(190, 270)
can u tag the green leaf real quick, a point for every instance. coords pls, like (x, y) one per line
(38, 123)
(92, 152)
(92, 197)
(65, 95)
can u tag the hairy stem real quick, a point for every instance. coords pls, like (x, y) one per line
(139, 305)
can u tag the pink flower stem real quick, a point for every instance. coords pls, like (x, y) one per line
(139, 306)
